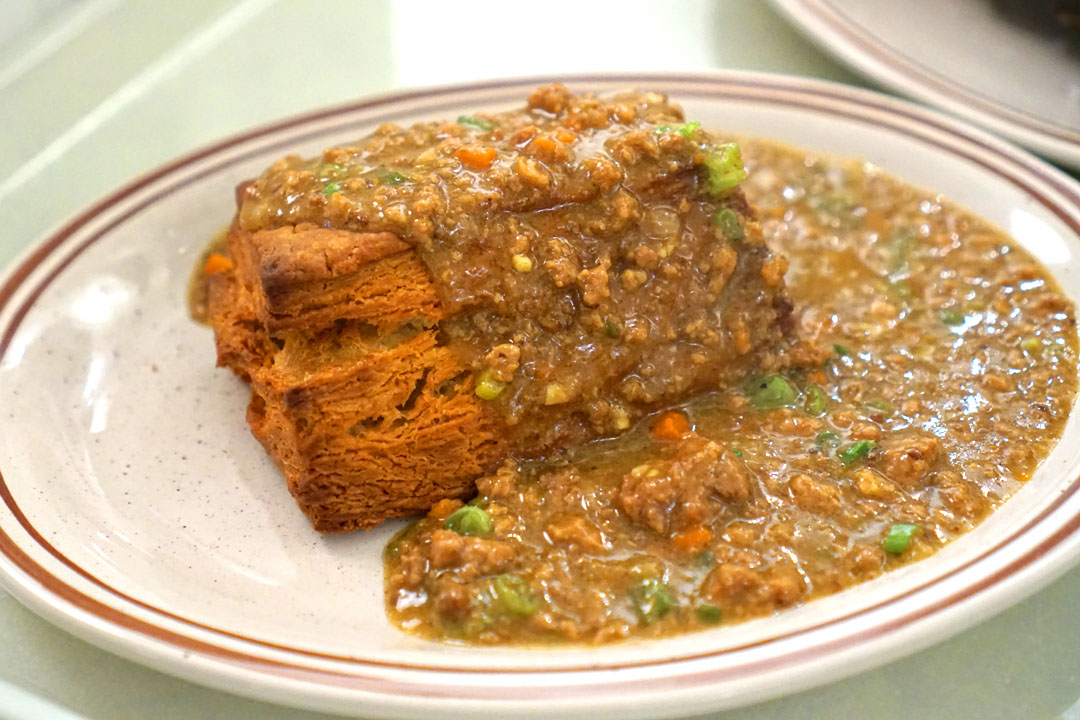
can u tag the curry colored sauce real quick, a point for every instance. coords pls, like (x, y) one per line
(198, 289)
(952, 373)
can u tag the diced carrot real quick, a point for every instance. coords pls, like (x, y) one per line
(216, 263)
(444, 508)
(543, 145)
(670, 425)
(476, 157)
(692, 540)
(565, 136)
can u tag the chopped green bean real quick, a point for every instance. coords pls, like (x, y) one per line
(856, 451)
(475, 123)
(842, 350)
(772, 392)
(728, 222)
(687, 130)
(611, 329)
(899, 537)
(469, 520)
(816, 400)
(652, 599)
(724, 168)
(515, 595)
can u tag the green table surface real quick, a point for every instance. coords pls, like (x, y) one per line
(94, 92)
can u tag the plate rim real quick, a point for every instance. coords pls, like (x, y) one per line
(213, 670)
(832, 30)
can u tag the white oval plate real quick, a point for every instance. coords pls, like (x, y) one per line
(139, 513)
(962, 56)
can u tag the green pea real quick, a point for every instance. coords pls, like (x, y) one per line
(827, 439)
(331, 189)
(728, 222)
(899, 537)
(469, 520)
(708, 614)
(772, 392)
(515, 595)
(391, 177)
(652, 599)
(816, 401)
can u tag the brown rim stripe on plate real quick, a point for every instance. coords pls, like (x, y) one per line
(385, 686)
(900, 62)
(711, 87)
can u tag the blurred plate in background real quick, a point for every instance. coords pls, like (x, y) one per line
(1008, 65)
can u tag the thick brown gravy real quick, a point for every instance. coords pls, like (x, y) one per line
(952, 375)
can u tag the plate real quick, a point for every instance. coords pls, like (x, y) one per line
(965, 56)
(139, 513)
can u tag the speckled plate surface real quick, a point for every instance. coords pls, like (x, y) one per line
(137, 511)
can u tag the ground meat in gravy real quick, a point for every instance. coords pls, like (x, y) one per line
(685, 490)
(951, 373)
